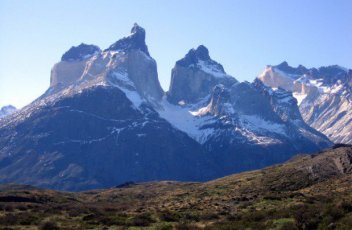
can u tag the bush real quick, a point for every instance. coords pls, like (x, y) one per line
(27, 218)
(140, 220)
(209, 216)
(186, 226)
(49, 225)
(8, 219)
(307, 217)
(163, 226)
(169, 216)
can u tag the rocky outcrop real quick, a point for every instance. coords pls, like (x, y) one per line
(7, 110)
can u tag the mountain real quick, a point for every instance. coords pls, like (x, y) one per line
(307, 192)
(235, 122)
(7, 110)
(105, 120)
(324, 96)
(96, 127)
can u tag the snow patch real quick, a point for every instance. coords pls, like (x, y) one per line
(200, 112)
(299, 97)
(211, 69)
(256, 123)
(183, 119)
(129, 91)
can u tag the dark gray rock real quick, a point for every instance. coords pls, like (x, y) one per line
(78, 53)
(136, 41)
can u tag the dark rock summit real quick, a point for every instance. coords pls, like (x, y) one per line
(78, 53)
(194, 55)
(284, 66)
(134, 41)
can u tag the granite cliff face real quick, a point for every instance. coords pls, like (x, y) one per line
(323, 94)
(194, 76)
(126, 62)
(105, 120)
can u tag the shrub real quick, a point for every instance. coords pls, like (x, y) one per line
(163, 226)
(8, 219)
(186, 226)
(169, 216)
(49, 225)
(144, 219)
(307, 217)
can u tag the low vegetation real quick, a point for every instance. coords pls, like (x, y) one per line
(287, 196)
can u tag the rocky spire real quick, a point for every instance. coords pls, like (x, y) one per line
(135, 41)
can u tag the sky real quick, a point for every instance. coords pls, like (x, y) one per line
(243, 35)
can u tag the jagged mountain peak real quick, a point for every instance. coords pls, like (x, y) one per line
(326, 72)
(194, 55)
(197, 57)
(80, 52)
(138, 30)
(283, 64)
(135, 41)
(285, 67)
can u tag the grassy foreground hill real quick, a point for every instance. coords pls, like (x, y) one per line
(308, 192)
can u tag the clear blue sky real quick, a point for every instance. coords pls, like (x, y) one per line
(243, 35)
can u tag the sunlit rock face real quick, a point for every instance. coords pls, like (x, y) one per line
(72, 65)
(323, 95)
